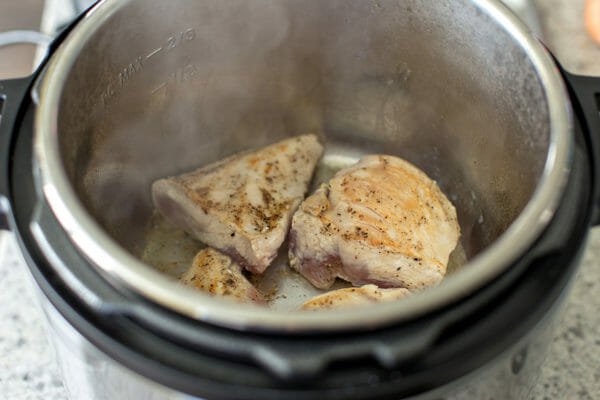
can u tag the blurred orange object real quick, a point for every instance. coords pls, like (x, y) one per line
(592, 19)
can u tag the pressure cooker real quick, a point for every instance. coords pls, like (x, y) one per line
(136, 90)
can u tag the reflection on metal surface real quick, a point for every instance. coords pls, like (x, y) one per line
(467, 128)
(91, 375)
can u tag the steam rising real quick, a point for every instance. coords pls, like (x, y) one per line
(177, 85)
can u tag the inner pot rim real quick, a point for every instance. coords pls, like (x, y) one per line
(116, 264)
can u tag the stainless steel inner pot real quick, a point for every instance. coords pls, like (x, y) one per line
(142, 89)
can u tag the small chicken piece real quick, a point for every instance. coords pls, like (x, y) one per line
(217, 274)
(381, 221)
(354, 297)
(242, 205)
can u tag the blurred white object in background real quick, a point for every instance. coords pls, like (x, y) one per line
(57, 14)
(527, 11)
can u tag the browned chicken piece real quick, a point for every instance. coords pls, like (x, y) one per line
(354, 297)
(242, 205)
(215, 273)
(381, 221)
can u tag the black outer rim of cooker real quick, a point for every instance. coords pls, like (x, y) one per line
(535, 284)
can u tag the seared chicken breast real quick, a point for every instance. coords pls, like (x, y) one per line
(215, 273)
(242, 205)
(354, 297)
(381, 221)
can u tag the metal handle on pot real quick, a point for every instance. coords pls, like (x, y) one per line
(585, 94)
(10, 38)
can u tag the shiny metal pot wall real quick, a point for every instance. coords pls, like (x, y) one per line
(89, 374)
(143, 89)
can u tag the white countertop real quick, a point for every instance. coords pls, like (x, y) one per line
(28, 370)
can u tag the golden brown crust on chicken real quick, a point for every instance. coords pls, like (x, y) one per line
(242, 205)
(354, 297)
(216, 274)
(381, 221)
